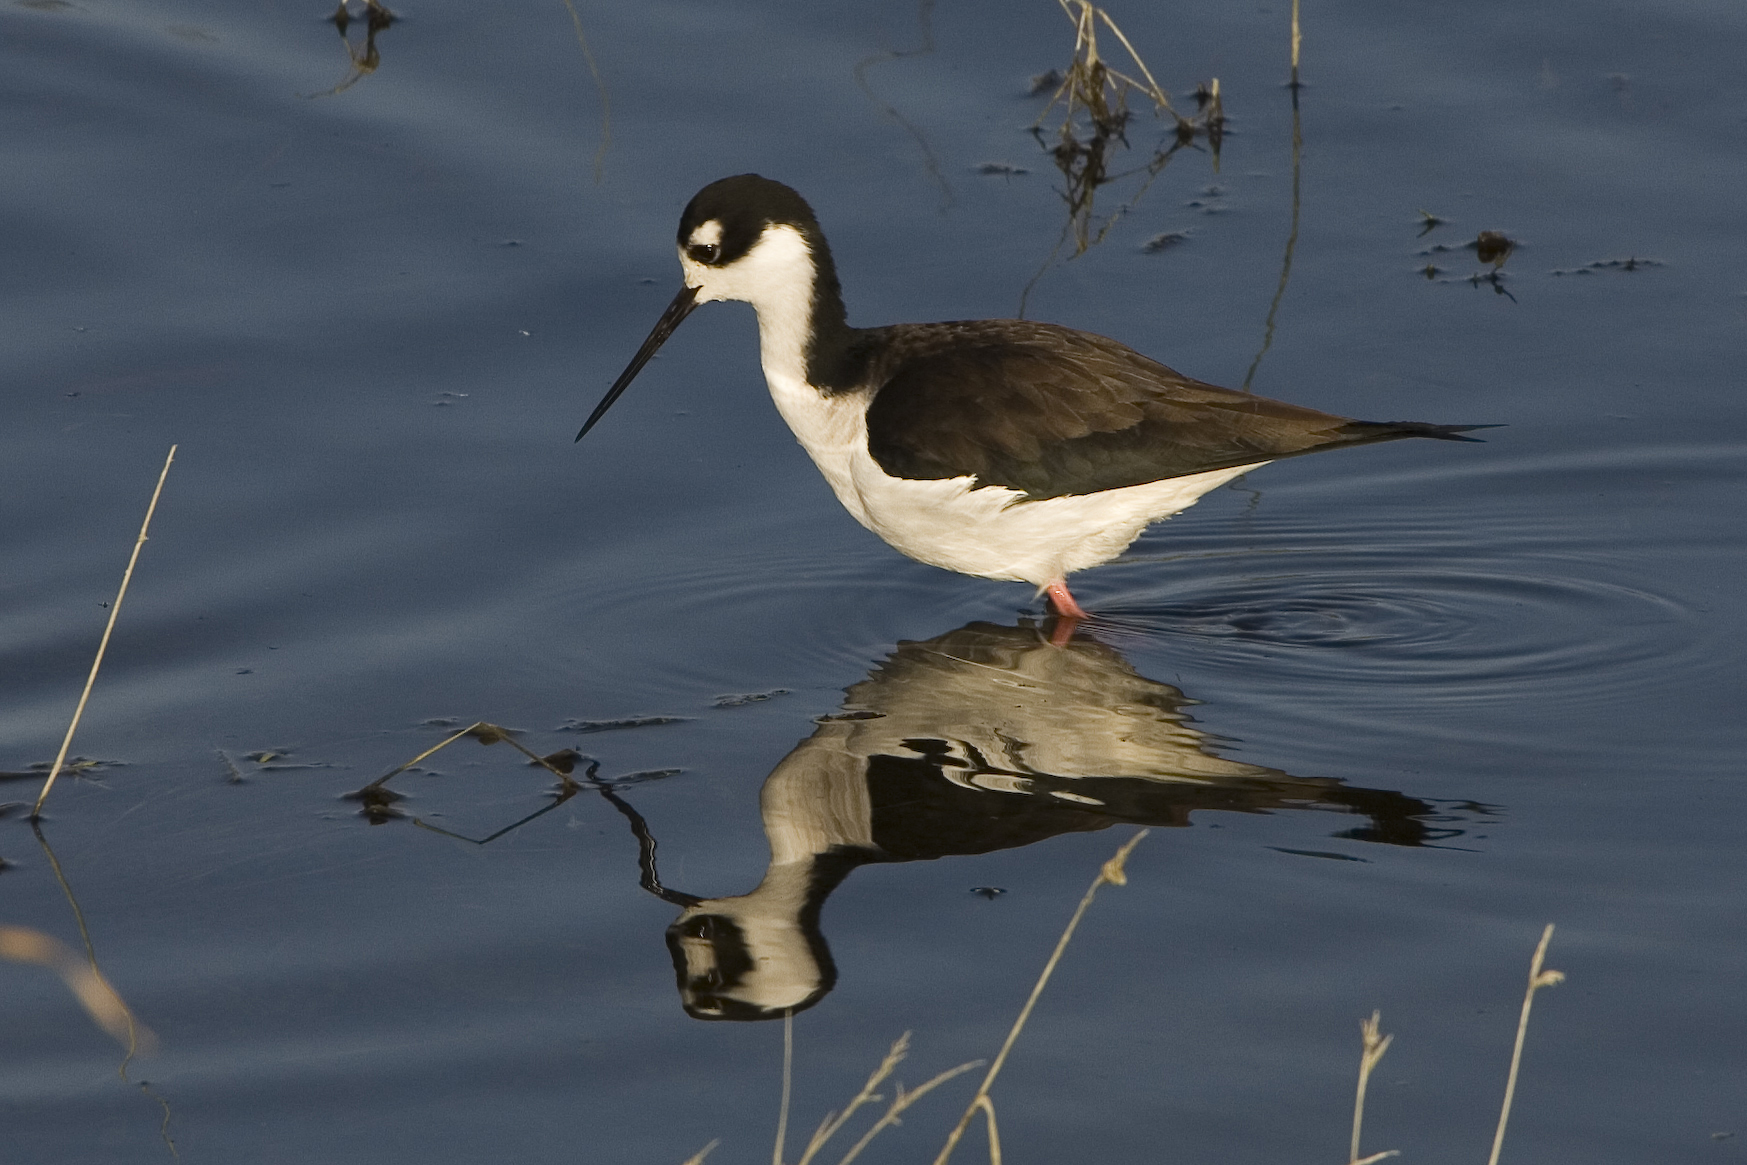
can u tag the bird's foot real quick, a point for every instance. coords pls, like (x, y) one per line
(1069, 614)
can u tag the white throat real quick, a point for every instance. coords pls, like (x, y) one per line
(776, 278)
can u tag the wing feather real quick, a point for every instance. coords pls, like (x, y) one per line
(1052, 412)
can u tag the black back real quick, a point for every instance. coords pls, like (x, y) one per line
(1052, 412)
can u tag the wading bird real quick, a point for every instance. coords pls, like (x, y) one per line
(1004, 449)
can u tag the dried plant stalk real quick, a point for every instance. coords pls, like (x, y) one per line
(101, 1002)
(1112, 874)
(1537, 980)
(1375, 1044)
(103, 644)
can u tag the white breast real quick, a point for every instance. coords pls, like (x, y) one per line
(991, 532)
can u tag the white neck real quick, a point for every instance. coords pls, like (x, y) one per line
(776, 278)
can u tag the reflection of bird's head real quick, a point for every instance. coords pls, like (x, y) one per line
(761, 954)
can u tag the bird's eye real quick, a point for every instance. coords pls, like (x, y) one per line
(705, 252)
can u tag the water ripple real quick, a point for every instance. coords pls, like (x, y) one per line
(1495, 593)
(1474, 630)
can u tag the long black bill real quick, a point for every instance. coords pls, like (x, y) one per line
(681, 307)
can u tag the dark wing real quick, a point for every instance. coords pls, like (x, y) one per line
(1052, 412)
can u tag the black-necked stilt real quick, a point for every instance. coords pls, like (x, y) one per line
(1001, 448)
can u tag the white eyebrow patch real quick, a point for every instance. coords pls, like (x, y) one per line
(707, 234)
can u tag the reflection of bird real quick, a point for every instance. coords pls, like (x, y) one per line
(983, 739)
(1000, 448)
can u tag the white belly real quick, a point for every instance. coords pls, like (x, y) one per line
(991, 532)
(994, 533)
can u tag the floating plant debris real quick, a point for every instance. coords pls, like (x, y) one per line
(1492, 247)
(742, 699)
(624, 722)
(1624, 266)
(1164, 242)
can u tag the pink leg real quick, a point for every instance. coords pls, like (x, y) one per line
(1068, 613)
(1063, 602)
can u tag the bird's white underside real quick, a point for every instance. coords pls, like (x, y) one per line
(991, 532)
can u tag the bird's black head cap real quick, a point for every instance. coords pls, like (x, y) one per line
(744, 205)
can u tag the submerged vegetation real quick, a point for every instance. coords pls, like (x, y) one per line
(363, 56)
(1092, 97)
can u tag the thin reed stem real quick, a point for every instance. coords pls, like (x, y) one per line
(782, 1120)
(833, 1122)
(1291, 245)
(103, 645)
(1537, 980)
(1295, 40)
(1151, 87)
(600, 154)
(163, 1125)
(988, 1107)
(444, 743)
(697, 1158)
(1111, 874)
(902, 1100)
(487, 733)
(1374, 1045)
(133, 1041)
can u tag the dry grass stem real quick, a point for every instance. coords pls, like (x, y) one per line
(834, 1122)
(1295, 40)
(163, 1125)
(1090, 67)
(697, 1158)
(103, 644)
(902, 1100)
(930, 161)
(486, 733)
(782, 1118)
(829, 1127)
(1291, 246)
(1113, 874)
(435, 748)
(1375, 1044)
(101, 1002)
(600, 154)
(988, 1107)
(135, 1041)
(1538, 979)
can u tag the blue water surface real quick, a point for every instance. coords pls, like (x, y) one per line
(1389, 711)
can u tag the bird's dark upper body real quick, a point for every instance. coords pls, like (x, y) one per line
(1052, 411)
(1042, 409)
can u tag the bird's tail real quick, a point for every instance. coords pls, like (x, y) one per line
(1386, 430)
